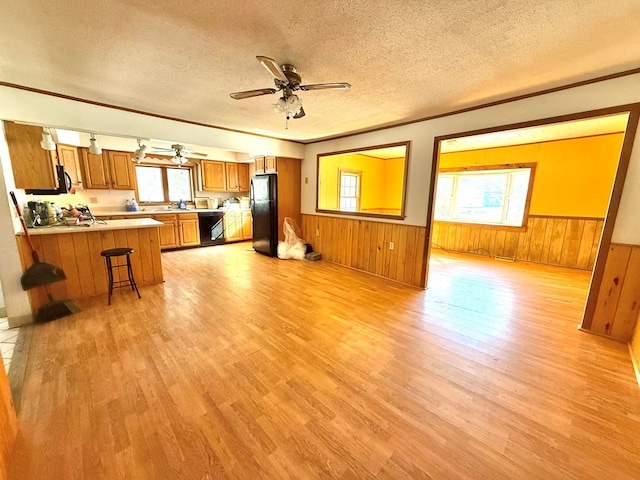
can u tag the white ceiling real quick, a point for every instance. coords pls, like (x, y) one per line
(404, 59)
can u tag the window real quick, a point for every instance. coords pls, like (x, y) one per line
(349, 191)
(493, 196)
(162, 184)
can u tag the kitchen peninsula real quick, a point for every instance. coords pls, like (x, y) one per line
(76, 249)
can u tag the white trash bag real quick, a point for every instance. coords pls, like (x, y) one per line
(293, 246)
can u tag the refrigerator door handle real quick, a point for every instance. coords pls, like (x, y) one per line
(251, 199)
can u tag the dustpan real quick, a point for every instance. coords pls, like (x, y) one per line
(42, 274)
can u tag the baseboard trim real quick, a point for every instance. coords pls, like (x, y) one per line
(3, 312)
(20, 320)
(636, 367)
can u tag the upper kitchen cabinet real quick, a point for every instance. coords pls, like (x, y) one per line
(237, 177)
(213, 175)
(121, 170)
(33, 167)
(110, 170)
(267, 164)
(69, 159)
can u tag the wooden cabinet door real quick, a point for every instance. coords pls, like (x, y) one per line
(232, 177)
(247, 225)
(213, 176)
(95, 170)
(68, 158)
(121, 170)
(260, 165)
(32, 166)
(270, 165)
(168, 232)
(232, 228)
(189, 232)
(243, 177)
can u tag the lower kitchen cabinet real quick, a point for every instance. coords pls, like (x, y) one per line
(169, 231)
(238, 226)
(189, 231)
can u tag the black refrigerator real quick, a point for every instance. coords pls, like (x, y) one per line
(264, 209)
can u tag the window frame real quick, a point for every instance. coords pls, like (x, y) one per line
(351, 173)
(478, 168)
(165, 184)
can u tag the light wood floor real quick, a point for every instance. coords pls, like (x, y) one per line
(246, 367)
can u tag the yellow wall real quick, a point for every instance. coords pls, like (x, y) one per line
(381, 181)
(573, 177)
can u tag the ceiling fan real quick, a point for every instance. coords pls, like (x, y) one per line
(287, 81)
(179, 152)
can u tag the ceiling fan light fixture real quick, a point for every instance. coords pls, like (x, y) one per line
(179, 160)
(47, 142)
(93, 145)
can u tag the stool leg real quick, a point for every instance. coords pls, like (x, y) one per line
(110, 276)
(131, 280)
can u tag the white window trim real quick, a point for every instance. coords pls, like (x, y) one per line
(510, 170)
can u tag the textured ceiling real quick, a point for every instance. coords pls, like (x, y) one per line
(404, 59)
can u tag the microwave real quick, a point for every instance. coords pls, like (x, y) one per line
(64, 184)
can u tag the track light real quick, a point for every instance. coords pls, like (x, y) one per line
(140, 152)
(47, 142)
(93, 145)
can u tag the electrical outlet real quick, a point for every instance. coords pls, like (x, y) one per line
(93, 199)
(391, 245)
(317, 233)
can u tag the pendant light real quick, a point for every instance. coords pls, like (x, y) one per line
(47, 142)
(93, 145)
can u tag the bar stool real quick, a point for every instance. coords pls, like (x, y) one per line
(119, 252)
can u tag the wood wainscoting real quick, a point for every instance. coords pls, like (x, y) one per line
(618, 305)
(364, 245)
(564, 241)
(8, 423)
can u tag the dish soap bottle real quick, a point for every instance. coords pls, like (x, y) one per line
(182, 205)
(134, 205)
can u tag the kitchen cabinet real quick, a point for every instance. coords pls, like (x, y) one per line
(213, 175)
(238, 225)
(111, 170)
(33, 167)
(69, 159)
(169, 231)
(266, 164)
(237, 177)
(247, 225)
(188, 229)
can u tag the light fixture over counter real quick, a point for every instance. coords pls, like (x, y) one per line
(93, 145)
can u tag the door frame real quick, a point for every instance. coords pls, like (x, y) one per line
(633, 110)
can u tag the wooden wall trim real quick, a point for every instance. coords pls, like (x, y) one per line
(634, 349)
(364, 245)
(610, 218)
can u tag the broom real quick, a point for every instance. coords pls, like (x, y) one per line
(43, 274)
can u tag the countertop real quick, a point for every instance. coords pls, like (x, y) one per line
(126, 224)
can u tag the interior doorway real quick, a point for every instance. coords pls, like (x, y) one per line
(541, 193)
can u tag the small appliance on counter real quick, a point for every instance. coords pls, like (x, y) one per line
(212, 203)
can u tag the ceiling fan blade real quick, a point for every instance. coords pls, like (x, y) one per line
(273, 68)
(159, 149)
(191, 152)
(325, 86)
(252, 93)
(300, 113)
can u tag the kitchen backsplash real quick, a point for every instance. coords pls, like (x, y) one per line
(117, 198)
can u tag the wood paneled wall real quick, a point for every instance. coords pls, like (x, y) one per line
(634, 346)
(8, 424)
(564, 241)
(364, 245)
(618, 304)
(78, 254)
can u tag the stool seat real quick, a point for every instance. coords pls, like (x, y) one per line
(116, 252)
(126, 282)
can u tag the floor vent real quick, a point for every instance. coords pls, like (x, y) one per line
(505, 259)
